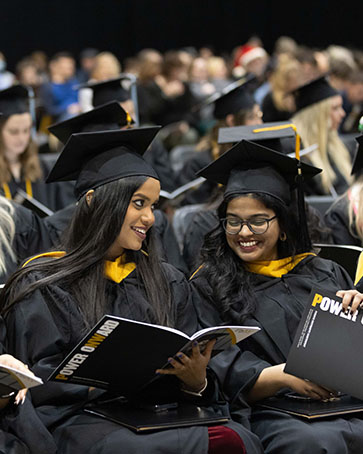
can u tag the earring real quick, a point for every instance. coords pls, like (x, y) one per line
(283, 236)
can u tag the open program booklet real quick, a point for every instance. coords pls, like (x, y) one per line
(123, 355)
(12, 380)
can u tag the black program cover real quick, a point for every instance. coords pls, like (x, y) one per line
(119, 354)
(327, 348)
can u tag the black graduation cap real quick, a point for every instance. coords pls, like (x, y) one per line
(108, 90)
(357, 167)
(250, 167)
(14, 100)
(313, 92)
(97, 158)
(106, 117)
(275, 135)
(233, 98)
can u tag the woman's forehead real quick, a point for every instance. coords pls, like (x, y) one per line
(150, 187)
(249, 203)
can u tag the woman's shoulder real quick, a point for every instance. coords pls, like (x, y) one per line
(320, 267)
(173, 274)
(43, 257)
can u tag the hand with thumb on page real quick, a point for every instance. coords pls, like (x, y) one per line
(10, 361)
(191, 370)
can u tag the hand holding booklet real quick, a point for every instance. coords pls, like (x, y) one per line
(12, 380)
(326, 351)
(123, 355)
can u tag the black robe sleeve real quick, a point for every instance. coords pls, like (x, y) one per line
(168, 245)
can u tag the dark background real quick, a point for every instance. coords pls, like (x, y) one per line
(125, 27)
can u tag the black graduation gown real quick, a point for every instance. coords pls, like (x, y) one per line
(158, 157)
(271, 112)
(54, 196)
(169, 247)
(279, 305)
(31, 237)
(155, 107)
(203, 193)
(43, 328)
(337, 218)
(9, 444)
(201, 223)
(314, 187)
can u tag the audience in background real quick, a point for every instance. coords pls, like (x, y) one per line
(59, 97)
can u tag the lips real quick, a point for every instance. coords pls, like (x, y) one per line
(247, 246)
(140, 232)
(247, 243)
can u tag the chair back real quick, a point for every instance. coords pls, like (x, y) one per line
(345, 255)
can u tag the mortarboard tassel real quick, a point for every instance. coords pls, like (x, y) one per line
(306, 242)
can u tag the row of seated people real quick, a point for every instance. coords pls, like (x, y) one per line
(50, 303)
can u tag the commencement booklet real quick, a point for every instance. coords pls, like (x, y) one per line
(29, 202)
(314, 409)
(12, 380)
(143, 420)
(182, 190)
(327, 348)
(121, 354)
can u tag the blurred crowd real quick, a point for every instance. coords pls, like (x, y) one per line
(171, 87)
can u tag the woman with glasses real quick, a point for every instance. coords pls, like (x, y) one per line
(258, 269)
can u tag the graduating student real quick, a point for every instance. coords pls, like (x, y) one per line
(278, 136)
(258, 269)
(108, 116)
(318, 115)
(20, 165)
(345, 216)
(108, 265)
(234, 106)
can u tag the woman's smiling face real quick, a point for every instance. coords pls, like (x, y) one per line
(248, 246)
(139, 218)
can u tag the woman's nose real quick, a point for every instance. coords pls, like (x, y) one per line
(245, 231)
(148, 217)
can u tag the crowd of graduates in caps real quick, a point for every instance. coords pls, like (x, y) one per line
(184, 189)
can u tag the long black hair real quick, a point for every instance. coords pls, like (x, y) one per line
(231, 282)
(92, 231)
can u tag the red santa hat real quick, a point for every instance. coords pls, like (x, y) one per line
(248, 53)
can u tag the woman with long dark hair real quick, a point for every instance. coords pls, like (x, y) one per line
(108, 265)
(258, 269)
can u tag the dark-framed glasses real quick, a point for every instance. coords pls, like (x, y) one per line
(258, 225)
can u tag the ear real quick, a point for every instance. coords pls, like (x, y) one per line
(89, 196)
(230, 120)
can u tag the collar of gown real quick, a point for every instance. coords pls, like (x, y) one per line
(276, 268)
(118, 269)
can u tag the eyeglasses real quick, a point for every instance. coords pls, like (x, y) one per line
(233, 225)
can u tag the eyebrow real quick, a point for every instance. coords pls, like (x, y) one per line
(140, 194)
(252, 216)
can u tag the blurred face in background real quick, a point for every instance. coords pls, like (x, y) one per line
(337, 112)
(106, 66)
(62, 68)
(15, 135)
